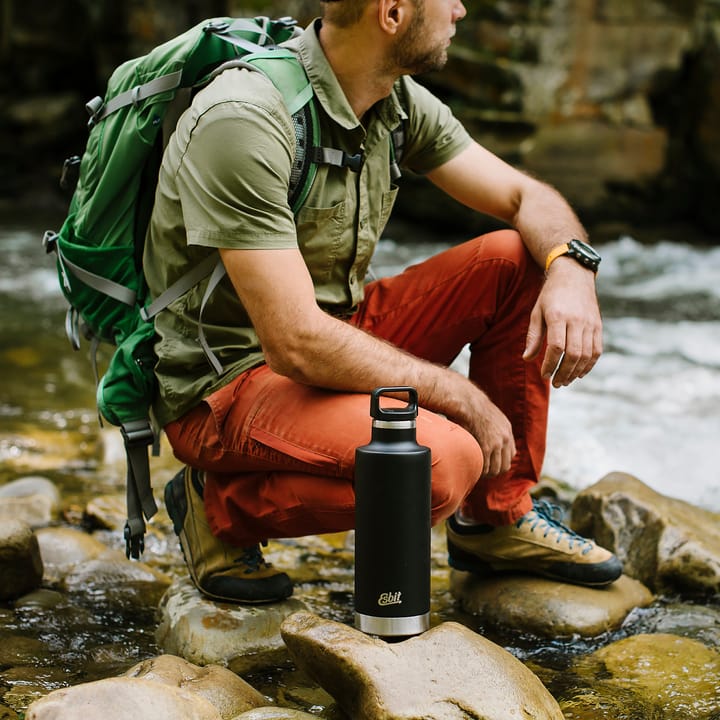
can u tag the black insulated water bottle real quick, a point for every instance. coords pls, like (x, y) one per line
(392, 522)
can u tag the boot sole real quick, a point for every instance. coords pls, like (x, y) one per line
(608, 572)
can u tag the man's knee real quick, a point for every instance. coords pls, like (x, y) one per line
(457, 462)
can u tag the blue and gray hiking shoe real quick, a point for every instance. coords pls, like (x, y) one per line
(538, 543)
(218, 570)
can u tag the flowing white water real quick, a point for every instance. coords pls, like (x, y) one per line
(651, 406)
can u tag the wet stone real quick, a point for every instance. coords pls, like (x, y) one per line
(222, 688)
(122, 699)
(162, 687)
(17, 650)
(77, 561)
(271, 713)
(661, 675)
(41, 599)
(34, 499)
(666, 543)
(547, 608)
(243, 638)
(106, 511)
(21, 567)
(64, 547)
(447, 673)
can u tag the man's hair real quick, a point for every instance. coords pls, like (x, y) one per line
(343, 13)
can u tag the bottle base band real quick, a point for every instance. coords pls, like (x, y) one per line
(388, 627)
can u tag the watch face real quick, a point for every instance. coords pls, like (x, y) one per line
(584, 254)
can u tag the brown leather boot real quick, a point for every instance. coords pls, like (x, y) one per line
(218, 570)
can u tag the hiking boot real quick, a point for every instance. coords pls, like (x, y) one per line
(219, 571)
(537, 543)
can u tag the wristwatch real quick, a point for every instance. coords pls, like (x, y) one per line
(577, 250)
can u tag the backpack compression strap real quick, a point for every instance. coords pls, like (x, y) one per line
(98, 109)
(137, 436)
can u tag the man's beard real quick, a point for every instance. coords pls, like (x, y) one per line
(411, 56)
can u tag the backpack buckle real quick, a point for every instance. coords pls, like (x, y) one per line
(70, 172)
(94, 107)
(354, 162)
(134, 543)
(217, 26)
(137, 432)
(286, 21)
(49, 241)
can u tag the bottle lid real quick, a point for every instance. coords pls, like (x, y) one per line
(394, 414)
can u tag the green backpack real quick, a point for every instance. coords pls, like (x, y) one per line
(99, 247)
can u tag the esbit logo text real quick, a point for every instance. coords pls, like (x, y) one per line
(390, 598)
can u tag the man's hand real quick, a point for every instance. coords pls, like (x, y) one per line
(567, 312)
(494, 434)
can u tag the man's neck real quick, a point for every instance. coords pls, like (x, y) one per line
(358, 66)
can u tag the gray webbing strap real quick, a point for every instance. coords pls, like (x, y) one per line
(97, 282)
(138, 435)
(300, 100)
(244, 25)
(179, 287)
(241, 42)
(99, 110)
(137, 94)
(217, 275)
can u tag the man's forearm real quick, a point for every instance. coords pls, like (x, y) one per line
(545, 220)
(338, 356)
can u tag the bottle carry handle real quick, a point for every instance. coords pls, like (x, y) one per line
(394, 414)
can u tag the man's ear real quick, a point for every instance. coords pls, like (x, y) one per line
(394, 14)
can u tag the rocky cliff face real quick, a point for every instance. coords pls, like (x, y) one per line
(615, 102)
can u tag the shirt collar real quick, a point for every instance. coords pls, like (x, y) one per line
(327, 88)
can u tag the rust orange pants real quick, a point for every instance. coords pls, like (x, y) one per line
(279, 456)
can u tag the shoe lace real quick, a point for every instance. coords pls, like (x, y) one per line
(252, 558)
(546, 516)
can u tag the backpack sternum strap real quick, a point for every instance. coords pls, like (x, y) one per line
(338, 158)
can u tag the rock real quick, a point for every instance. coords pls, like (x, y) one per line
(447, 673)
(63, 547)
(545, 607)
(689, 619)
(239, 637)
(226, 691)
(586, 156)
(76, 561)
(123, 699)
(34, 499)
(665, 543)
(273, 713)
(108, 512)
(20, 651)
(21, 567)
(650, 675)
(125, 581)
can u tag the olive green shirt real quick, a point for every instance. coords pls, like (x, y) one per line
(224, 184)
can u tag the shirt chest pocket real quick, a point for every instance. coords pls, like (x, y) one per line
(324, 236)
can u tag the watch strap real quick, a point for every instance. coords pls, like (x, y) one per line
(555, 253)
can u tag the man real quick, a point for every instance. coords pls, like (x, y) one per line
(269, 441)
